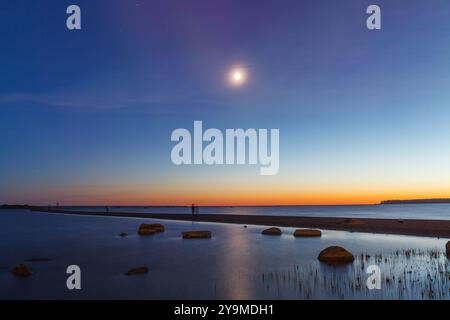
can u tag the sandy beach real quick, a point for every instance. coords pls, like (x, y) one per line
(413, 227)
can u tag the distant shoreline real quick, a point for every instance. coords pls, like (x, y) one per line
(384, 202)
(417, 201)
(411, 227)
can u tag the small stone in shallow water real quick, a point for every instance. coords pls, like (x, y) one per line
(21, 270)
(307, 233)
(136, 271)
(123, 234)
(196, 234)
(272, 232)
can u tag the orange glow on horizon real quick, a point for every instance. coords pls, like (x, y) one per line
(226, 196)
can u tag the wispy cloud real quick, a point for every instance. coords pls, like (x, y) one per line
(111, 100)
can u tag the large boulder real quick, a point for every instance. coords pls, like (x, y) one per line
(447, 249)
(196, 234)
(136, 271)
(21, 270)
(272, 232)
(336, 255)
(307, 233)
(146, 229)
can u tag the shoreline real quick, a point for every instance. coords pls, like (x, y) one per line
(410, 227)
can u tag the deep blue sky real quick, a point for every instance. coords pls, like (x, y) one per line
(86, 115)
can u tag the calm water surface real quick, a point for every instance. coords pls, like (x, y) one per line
(237, 263)
(406, 211)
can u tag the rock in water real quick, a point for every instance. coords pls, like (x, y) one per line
(336, 255)
(307, 233)
(135, 271)
(196, 235)
(123, 234)
(447, 249)
(21, 270)
(272, 232)
(146, 229)
(157, 227)
(146, 232)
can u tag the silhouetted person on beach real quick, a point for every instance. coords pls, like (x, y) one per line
(193, 209)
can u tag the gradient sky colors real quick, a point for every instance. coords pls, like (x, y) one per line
(86, 116)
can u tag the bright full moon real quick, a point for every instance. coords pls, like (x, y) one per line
(238, 77)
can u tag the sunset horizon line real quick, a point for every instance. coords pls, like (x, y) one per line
(209, 204)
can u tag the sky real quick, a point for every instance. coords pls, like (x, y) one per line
(86, 115)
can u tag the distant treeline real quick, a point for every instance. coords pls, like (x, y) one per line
(416, 201)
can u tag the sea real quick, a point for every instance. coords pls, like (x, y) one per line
(238, 262)
(397, 211)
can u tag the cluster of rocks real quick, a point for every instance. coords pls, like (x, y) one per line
(330, 255)
(150, 229)
(298, 233)
(333, 255)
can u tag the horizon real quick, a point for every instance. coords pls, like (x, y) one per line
(88, 114)
(401, 201)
